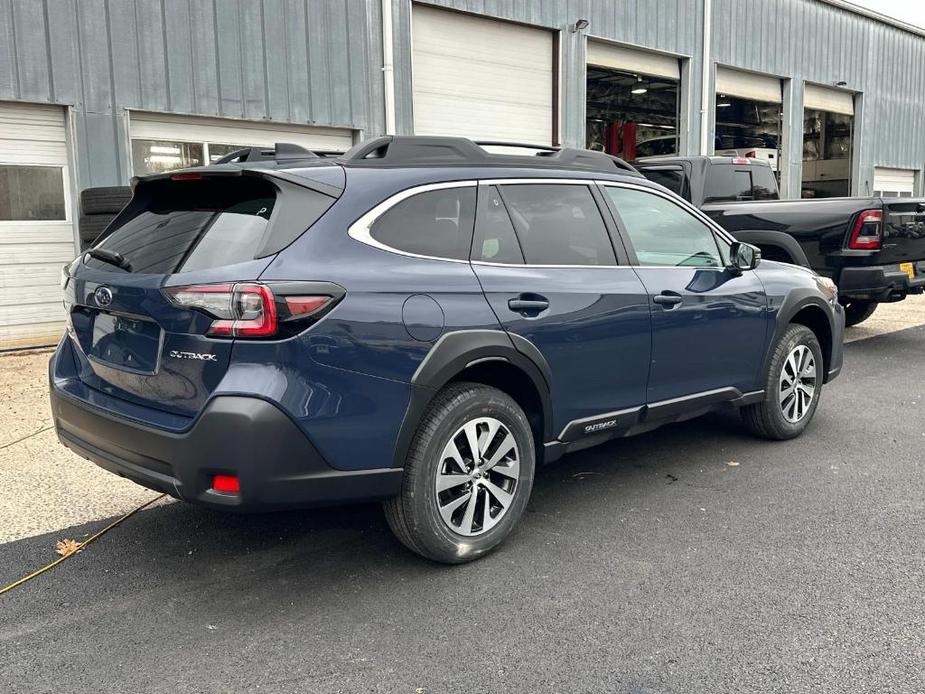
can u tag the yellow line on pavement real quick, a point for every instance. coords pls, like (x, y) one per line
(83, 544)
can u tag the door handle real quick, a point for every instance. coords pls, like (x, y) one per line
(528, 303)
(666, 299)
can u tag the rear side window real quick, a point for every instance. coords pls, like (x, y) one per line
(672, 179)
(183, 226)
(727, 182)
(495, 240)
(558, 224)
(437, 223)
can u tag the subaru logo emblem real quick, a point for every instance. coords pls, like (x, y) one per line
(103, 296)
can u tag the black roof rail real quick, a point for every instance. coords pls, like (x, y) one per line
(410, 150)
(281, 151)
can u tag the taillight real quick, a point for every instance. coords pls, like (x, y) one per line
(868, 231)
(751, 155)
(246, 309)
(739, 160)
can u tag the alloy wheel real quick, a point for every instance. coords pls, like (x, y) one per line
(797, 384)
(477, 476)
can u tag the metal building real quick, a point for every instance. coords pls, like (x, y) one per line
(95, 91)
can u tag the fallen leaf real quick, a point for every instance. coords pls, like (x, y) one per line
(67, 547)
(732, 463)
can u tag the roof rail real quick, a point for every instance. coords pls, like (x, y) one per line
(410, 150)
(281, 151)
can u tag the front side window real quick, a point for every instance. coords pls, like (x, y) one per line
(558, 224)
(31, 193)
(436, 223)
(662, 233)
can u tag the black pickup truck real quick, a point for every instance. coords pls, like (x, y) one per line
(872, 248)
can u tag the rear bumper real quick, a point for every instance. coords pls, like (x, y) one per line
(277, 466)
(880, 282)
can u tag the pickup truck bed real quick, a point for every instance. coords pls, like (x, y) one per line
(872, 248)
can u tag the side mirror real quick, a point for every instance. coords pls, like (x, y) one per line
(743, 256)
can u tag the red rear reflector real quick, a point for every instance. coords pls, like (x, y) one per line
(226, 483)
(186, 177)
(304, 305)
(868, 231)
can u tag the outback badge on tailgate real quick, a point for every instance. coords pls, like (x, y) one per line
(198, 356)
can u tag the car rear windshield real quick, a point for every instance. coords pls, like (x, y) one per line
(183, 226)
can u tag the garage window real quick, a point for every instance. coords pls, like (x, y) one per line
(157, 156)
(31, 193)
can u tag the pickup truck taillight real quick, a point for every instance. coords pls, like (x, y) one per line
(868, 231)
(247, 309)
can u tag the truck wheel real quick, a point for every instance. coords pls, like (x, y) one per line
(859, 311)
(467, 477)
(792, 387)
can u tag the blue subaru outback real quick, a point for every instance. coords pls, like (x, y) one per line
(421, 321)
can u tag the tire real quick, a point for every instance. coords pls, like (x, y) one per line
(105, 200)
(776, 416)
(415, 517)
(859, 311)
(91, 226)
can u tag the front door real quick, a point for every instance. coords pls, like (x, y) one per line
(546, 262)
(709, 323)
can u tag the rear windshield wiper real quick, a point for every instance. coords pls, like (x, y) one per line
(110, 257)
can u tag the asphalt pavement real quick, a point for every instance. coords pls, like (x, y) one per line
(690, 559)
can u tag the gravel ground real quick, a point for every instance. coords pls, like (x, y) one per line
(43, 486)
(648, 565)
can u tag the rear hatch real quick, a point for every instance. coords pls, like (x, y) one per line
(145, 304)
(903, 231)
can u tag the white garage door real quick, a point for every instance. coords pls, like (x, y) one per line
(481, 78)
(894, 183)
(826, 99)
(631, 60)
(36, 232)
(162, 141)
(748, 85)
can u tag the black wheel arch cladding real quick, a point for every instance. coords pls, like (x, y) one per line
(456, 351)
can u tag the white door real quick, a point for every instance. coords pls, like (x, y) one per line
(481, 78)
(894, 183)
(36, 231)
(163, 141)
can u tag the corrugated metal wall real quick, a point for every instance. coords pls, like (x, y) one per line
(298, 61)
(806, 40)
(318, 62)
(671, 26)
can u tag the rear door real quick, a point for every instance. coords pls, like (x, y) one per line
(546, 262)
(133, 341)
(709, 324)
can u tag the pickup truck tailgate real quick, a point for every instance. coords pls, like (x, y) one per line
(903, 230)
